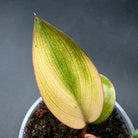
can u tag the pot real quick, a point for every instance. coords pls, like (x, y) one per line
(34, 107)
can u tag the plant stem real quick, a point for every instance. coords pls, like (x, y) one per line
(84, 131)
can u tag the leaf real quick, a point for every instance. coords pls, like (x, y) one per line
(109, 99)
(135, 134)
(90, 136)
(67, 79)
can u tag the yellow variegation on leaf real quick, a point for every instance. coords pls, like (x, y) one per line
(66, 77)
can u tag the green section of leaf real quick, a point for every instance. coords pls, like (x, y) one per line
(67, 79)
(135, 134)
(109, 99)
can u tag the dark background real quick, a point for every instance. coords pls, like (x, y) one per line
(106, 29)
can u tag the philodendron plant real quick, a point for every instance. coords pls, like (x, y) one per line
(68, 81)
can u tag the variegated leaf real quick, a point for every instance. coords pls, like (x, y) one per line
(66, 77)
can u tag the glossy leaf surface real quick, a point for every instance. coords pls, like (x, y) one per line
(109, 99)
(67, 79)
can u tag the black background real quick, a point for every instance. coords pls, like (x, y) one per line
(106, 29)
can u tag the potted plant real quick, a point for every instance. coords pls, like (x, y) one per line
(71, 88)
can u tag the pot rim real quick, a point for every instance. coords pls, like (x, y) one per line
(39, 100)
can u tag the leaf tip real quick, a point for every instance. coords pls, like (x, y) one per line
(36, 17)
(34, 14)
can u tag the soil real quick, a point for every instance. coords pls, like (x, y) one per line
(44, 125)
